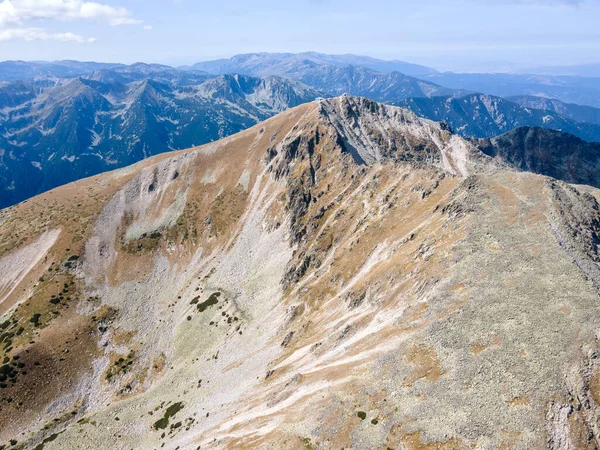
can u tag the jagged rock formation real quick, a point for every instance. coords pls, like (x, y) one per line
(343, 275)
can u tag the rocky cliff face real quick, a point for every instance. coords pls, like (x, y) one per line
(343, 275)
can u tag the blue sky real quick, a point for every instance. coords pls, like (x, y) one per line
(445, 34)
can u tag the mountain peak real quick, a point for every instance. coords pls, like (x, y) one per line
(373, 131)
(341, 266)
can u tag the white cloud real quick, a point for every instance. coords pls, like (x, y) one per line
(147, 27)
(14, 15)
(16, 12)
(38, 34)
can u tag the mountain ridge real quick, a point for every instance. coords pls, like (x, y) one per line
(259, 64)
(272, 290)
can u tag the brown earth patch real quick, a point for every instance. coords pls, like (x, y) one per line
(425, 362)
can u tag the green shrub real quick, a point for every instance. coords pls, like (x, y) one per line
(161, 424)
(35, 319)
(212, 300)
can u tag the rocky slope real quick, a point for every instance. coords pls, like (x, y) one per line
(343, 275)
(52, 135)
(482, 115)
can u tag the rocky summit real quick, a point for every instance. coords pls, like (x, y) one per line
(342, 275)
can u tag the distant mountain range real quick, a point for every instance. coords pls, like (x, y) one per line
(261, 64)
(364, 82)
(317, 70)
(483, 115)
(53, 72)
(83, 126)
(383, 81)
(583, 91)
(61, 121)
(24, 70)
(577, 70)
(337, 74)
(571, 111)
